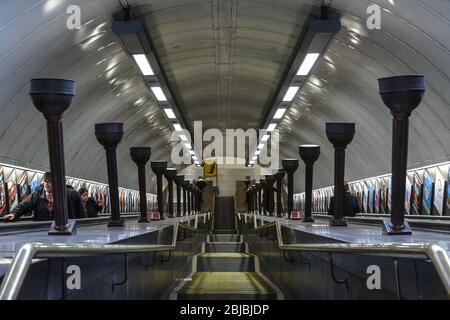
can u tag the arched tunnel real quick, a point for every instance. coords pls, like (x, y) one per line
(224, 91)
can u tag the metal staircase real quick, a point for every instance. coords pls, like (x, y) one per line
(226, 271)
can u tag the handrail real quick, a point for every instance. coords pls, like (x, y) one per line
(437, 255)
(20, 265)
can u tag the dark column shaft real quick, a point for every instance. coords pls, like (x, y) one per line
(159, 193)
(170, 186)
(399, 165)
(279, 204)
(111, 164)
(255, 201)
(193, 200)
(189, 201)
(308, 189)
(142, 192)
(290, 178)
(184, 201)
(56, 157)
(259, 200)
(178, 200)
(339, 171)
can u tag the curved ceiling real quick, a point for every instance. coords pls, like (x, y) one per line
(223, 60)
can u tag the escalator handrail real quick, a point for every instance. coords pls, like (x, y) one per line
(437, 255)
(21, 263)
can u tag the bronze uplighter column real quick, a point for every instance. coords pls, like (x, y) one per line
(270, 179)
(201, 184)
(279, 178)
(309, 154)
(340, 135)
(158, 167)
(247, 195)
(140, 156)
(52, 97)
(290, 165)
(186, 198)
(179, 182)
(109, 136)
(264, 195)
(170, 175)
(401, 94)
(258, 190)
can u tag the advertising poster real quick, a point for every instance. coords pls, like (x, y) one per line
(408, 196)
(3, 205)
(12, 190)
(416, 194)
(439, 185)
(35, 183)
(370, 197)
(448, 188)
(383, 196)
(427, 193)
(365, 199)
(23, 187)
(388, 187)
(376, 208)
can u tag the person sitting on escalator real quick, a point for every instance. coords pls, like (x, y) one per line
(92, 207)
(351, 203)
(40, 202)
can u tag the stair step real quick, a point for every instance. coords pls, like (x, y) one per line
(224, 231)
(225, 262)
(224, 238)
(225, 247)
(226, 286)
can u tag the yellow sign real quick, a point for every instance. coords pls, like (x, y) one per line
(210, 169)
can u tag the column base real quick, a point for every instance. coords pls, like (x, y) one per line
(143, 219)
(155, 216)
(70, 230)
(388, 229)
(295, 215)
(308, 219)
(116, 223)
(338, 222)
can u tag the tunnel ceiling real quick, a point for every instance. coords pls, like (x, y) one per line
(224, 61)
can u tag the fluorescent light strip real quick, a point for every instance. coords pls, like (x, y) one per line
(290, 94)
(142, 62)
(254, 158)
(257, 152)
(251, 162)
(271, 127)
(307, 64)
(183, 137)
(170, 114)
(260, 146)
(194, 157)
(188, 146)
(177, 127)
(159, 94)
(279, 113)
(265, 137)
(192, 152)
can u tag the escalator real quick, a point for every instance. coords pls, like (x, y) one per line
(226, 271)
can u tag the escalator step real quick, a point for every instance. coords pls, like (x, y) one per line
(225, 247)
(225, 238)
(225, 262)
(227, 285)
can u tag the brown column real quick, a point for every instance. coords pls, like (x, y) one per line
(140, 156)
(186, 198)
(290, 165)
(247, 195)
(158, 167)
(170, 175)
(109, 136)
(179, 182)
(52, 97)
(309, 154)
(401, 94)
(258, 190)
(279, 178)
(340, 135)
(270, 181)
(201, 184)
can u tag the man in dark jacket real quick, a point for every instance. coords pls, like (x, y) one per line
(351, 204)
(40, 202)
(92, 207)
